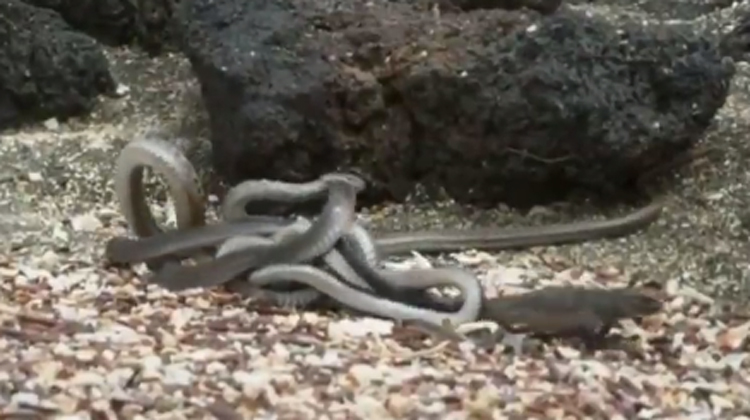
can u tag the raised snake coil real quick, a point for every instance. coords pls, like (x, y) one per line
(256, 252)
(181, 178)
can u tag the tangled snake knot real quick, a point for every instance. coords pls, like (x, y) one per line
(293, 260)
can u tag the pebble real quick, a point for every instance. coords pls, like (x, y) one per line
(25, 398)
(87, 378)
(49, 260)
(178, 376)
(365, 374)
(87, 222)
(253, 384)
(151, 362)
(357, 328)
(52, 124)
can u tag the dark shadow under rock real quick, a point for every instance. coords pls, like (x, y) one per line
(541, 6)
(486, 105)
(46, 69)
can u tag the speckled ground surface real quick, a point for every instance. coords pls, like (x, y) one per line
(78, 337)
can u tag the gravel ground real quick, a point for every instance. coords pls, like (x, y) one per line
(81, 340)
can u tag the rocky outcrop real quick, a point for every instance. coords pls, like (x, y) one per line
(109, 21)
(488, 105)
(46, 69)
(118, 22)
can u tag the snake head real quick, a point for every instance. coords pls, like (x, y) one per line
(349, 178)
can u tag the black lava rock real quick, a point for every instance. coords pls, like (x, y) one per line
(119, 22)
(488, 105)
(46, 69)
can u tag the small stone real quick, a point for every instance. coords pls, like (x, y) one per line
(87, 378)
(25, 398)
(151, 362)
(733, 338)
(358, 328)
(49, 260)
(714, 196)
(35, 177)
(253, 384)
(122, 90)
(486, 399)
(107, 214)
(66, 404)
(169, 341)
(62, 350)
(735, 360)
(52, 124)
(568, 353)
(506, 276)
(473, 259)
(399, 405)
(85, 223)
(8, 272)
(59, 234)
(369, 407)
(364, 374)
(120, 376)
(86, 355)
(608, 272)
(540, 212)
(720, 402)
(181, 317)
(214, 368)
(177, 375)
(255, 378)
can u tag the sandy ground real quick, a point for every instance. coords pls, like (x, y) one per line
(82, 340)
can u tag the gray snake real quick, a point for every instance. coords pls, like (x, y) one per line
(274, 260)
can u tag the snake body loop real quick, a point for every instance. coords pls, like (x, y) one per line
(184, 243)
(336, 218)
(157, 247)
(169, 162)
(287, 299)
(238, 198)
(359, 241)
(373, 304)
(356, 288)
(296, 298)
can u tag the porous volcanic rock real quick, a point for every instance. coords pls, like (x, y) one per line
(487, 105)
(118, 22)
(46, 69)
